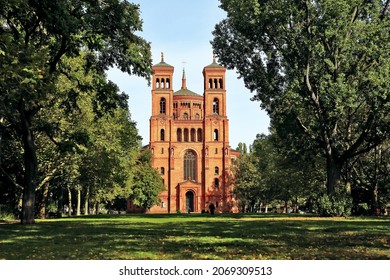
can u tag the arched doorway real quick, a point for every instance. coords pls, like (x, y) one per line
(190, 201)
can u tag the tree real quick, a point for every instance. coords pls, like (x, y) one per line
(287, 176)
(242, 148)
(147, 183)
(247, 182)
(97, 142)
(369, 174)
(320, 69)
(35, 36)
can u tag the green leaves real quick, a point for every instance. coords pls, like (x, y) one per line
(36, 39)
(323, 63)
(146, 184)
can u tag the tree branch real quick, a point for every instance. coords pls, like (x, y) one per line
(48, 178)
(63, 49)
(10, 178)
(353, 149)
(307, 132)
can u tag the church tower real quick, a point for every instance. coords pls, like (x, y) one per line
(216, 141)
(189, 141)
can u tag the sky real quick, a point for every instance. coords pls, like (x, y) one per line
(182, 29)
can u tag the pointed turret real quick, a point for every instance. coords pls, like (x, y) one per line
(183, 80)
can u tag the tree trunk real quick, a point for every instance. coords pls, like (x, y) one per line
(333, 173)
(78, 211)
(86, 205)
(374, 189)
(30, 167)
(70, 202)
(60, 203)
(1, 134)
(45, 194)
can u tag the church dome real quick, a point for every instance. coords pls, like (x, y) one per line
(184, 91)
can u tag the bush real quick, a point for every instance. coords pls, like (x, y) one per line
(6, 217)
(6, 213)
(337, 204)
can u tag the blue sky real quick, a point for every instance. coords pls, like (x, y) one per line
(182, 30)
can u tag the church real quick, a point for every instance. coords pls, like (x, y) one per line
(189, 142)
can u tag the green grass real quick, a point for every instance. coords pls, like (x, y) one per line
(195, 236)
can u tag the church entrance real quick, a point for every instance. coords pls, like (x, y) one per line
(190, 201)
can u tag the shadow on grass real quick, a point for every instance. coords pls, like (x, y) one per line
(197, 237)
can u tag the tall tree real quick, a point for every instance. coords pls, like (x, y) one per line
(90, 143)
(147, 183)
(248, 183)
(35, 35)
(323, 64)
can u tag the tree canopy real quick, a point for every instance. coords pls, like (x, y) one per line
(320, 69)
(35, 37)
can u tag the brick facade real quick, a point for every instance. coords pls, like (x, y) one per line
(189, 140)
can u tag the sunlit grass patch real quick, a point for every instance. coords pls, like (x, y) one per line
(194, 236)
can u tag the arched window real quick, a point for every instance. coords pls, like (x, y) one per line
(216, 183)
(200, 136)
(216, 170)
(210, 83)
(185, 134)
(185, 116)
(193, 135)
(190, 165)
(162, 135)
(216, 106)
(220, 83)
(215, 134)
(215, 83)
(157, 83)
(162, 83)
(163, 105)
(162, 171)
(197, 116)
(179, 135)
(168, 83)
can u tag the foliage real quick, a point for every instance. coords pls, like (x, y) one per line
(336, 204)
(370, 177)
(147, 183)
(319, 68)
(270, 174)
(246, 182)
(35, 37)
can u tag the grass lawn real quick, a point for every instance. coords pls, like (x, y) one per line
(196, 236)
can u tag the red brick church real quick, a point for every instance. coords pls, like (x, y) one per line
(189, 141)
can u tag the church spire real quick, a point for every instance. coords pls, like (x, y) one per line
(214, 61)
(162, 56)
(183, 80)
